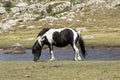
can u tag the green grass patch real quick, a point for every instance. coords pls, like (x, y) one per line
(60, 70)
(19, 36)
(103, 39)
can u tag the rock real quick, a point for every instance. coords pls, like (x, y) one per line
(29, 39)
(8, 24)
(78, 6)
(63, 18)
(94, 2)
(81, 29)
(88, 37)
(22, 4)
(31, 27)
(32, 6)
(27, 17)
(27, 75)
(12, 22)
(69, 20)
(71, 15)
(38, 5)
(82, 13)
(15, 9)
(50, 18)
(21, 26)
(2, 10)
(5, 26)
(62, 6)
(113, 4)
(15, 49)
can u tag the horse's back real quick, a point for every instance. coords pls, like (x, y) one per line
(59, 37)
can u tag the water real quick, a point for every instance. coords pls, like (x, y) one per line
(65, 54)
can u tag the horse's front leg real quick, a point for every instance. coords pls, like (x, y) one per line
(52, 57)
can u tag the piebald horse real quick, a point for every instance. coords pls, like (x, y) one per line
(59, 38)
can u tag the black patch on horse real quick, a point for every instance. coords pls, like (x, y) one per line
(63, 38)
(43, 31)
(46, 41)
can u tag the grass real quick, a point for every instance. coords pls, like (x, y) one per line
(104, 25)
(101, 37)
(60, 70)
(19, 36)
(22, 36)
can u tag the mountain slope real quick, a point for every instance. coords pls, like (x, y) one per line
(22, 20)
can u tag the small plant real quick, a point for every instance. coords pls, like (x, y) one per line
(118, 5)
(43, 13)
(49, 9)
(8, 5)
(37, 18)
(20, 21)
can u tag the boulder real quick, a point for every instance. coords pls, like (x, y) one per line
(5, 26)
(50, 18)
(2, 10)
(15, 9)
(81, 29)
(27, 17)
(31, 27)
(113, 4)
(15, 49)
(8, 24)
(88, 37)
(22, 4)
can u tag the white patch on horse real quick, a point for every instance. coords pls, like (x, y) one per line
(74, 33)
(77, 56)
(40, 39)
(52, 58)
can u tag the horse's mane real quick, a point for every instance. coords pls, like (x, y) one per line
(43, 31)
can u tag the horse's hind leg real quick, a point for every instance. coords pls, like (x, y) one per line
(52, 57)
(76, 52)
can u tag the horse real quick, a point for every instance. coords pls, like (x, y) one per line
(60, 38)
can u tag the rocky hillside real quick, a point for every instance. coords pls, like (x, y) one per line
(21, 14)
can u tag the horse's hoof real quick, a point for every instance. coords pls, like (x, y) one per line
(77, 59)
(36, 60)
(51, 60)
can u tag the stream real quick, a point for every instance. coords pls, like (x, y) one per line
(65, 54)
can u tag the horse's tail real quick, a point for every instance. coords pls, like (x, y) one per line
(81, 43)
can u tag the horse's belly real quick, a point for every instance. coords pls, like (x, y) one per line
(61, 44)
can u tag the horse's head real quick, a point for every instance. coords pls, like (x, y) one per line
(36, 50)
